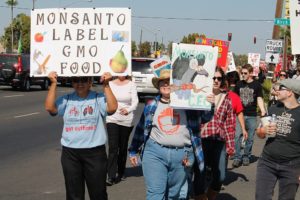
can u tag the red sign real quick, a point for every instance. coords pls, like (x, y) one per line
(223, 49)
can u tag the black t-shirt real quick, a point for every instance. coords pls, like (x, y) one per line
(285, 146)
(248, 93)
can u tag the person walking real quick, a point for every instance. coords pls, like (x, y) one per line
(280, 158)
(170, 139)
(250, 92)
(83, 156)
(119, 126)
(217, 140)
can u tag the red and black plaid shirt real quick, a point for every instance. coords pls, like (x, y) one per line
(222, 125)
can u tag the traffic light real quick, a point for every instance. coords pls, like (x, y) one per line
(229, 36)
(254, 40)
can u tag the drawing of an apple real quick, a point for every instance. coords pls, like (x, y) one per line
(38, 37)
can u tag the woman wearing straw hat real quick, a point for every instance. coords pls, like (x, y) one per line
(170, 138)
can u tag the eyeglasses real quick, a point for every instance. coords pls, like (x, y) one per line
(218, 78)
(281, 88)
(80, 79)
(244, 73)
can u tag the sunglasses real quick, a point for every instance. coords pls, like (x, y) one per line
(80, 79)
(282, 74)
(244, 73)
(281, 88)
(218, 78)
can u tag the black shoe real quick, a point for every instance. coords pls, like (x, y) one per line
(236, 163)
(120, 178)
(110, 182)
(246, 161)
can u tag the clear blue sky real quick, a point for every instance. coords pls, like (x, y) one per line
(174, 29)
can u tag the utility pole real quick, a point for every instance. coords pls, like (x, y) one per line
(12, 28)
(278, 14)
(140, 47)
(33, 4)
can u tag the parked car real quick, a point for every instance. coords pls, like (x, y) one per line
(142, 76)
(15, 71)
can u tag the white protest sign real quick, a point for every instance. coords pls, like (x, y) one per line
(162, 63)
(274, 46)
(193, 68)
(254, 59)
(230, 61)
(272, 57)
(295, 25)
(80, 41)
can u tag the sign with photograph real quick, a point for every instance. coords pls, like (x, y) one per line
(80, 41)
(223, 47)
(162, 63)
(295, 25)
(230, 62)
(254, 59)
(193, 68)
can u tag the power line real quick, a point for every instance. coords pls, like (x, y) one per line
(20, 8)
(204, 19)
(183, 18)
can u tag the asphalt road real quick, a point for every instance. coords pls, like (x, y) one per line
(30, 155)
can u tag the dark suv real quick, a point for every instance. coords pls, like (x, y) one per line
(15, 71)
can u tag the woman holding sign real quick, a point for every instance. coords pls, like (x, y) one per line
(170, 138)
(83, 157)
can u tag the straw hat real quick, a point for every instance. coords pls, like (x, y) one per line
(164, 74)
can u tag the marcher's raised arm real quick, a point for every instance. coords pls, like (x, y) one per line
(51, 96)
(112, 103)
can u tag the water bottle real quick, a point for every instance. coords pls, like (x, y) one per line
(272, 121)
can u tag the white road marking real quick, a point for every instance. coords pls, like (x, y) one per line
(26, 115)
(17, 95)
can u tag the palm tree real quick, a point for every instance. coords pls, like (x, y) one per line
(12, 3)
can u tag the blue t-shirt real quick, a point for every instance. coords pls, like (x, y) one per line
(83, 120)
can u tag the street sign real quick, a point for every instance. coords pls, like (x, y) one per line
(282, 22)
(274, 46)
(272, 57)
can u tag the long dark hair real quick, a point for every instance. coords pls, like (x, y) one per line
(223, 81)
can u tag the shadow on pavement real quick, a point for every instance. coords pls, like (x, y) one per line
(233, 176)
(225, 196)
(134, 171)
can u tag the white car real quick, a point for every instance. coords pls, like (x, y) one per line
(142, 76)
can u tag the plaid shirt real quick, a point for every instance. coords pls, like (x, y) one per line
(222, 126)
(194, 119)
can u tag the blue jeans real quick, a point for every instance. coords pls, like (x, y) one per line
(163, 170)
(215, 157)
(250, 123)
(268, 172)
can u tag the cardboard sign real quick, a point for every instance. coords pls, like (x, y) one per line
(223, 47)
(230, 62)
(193, 68)
(274, 46)
(295, 26)
(81, 41)
(160, 64)
(254, 59)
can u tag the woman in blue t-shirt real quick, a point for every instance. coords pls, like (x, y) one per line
(83, 157)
